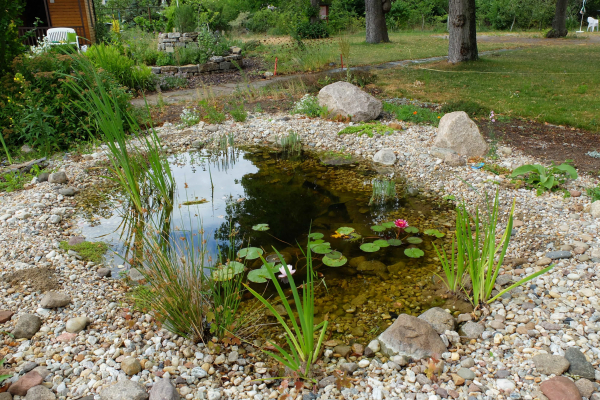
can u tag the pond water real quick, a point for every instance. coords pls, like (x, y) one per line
(296, 194)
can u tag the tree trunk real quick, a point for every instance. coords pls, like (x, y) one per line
(462, 44)
(314, 17)
(559, 23)
(375, 18)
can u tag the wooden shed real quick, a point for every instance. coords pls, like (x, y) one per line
(76, 14)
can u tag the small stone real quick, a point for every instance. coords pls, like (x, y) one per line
(550, 364)
(467, 363)
(342, 350)
(595, 209)
(385, 157)
(466, 374)
(374, 345)
(585, 387)
(199, 373)
(104, 273)
(575, 193)
(5, 316)
(27, 326)
(40, 392)
(75, 240)
(458, 380)
(58, 177)
(349, 367)
(358, 349)
(163, 389)
(55, 300)
(69, 191)
(506, 385)
(328, 380)
(124, 390)
(555, 255)
(364, 363)
(560, 388)
(544, 261)
(131, 366)
(43, 176)
(464, 318)
(471, 330)
(439, 319)
(76, 325)
(579, 365)
(25, 383)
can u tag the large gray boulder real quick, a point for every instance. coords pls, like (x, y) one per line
(459, 133)
(412, 337)
(40, 392)
(346, 100)
(439, 319)
(124, 390)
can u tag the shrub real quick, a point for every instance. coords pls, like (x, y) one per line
(307, 30)
(238, 111)
(261, 21)
(38, 108)
(110, 59)
(164, 59)
(309, 105)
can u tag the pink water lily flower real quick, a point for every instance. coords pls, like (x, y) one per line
(401, 223)
(283, 276)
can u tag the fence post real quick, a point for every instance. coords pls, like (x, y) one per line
(149, 14)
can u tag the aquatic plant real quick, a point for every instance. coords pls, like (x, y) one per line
(384, 190)
(291, 142)
(283, 275)
(401, 224)
(478, 255)
(302, 351)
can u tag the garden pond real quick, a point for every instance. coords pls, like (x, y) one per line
(371, 271)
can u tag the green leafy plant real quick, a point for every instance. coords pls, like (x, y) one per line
(6, 376)
(546, 179)
(309, 106)
(124, 69)
(594, 193)
(368, 129)
(302, 350)
(211, 112)
(189, 117)
(478, 254)
(414, 114)
(238, 111)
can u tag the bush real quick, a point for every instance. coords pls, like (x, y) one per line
(309, 106)
(306, 30)
(121, 67)
(261, 21)
(38, 108)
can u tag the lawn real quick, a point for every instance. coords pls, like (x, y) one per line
(319, 53)
(553, 84)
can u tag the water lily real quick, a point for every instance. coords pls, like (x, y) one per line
(401, 223)
(284, 276)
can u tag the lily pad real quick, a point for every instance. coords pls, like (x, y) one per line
(369, 247)
(411, 229)
(259, 275)
(334, 261)
(381, 243)
(334, 254)
(261, 227)
(251, 253)
(227, 271)
(414, 252)
(345, 230)
(354, 237)
(378, 228)
(315, 235)
(389, 224)
(414, 240)
(394, 242)
(322, 248)
(434, 232)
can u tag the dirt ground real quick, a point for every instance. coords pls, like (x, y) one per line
(38, 279)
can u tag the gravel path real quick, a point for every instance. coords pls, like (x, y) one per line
(94, 340)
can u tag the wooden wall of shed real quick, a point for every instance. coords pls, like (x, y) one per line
(66, 13)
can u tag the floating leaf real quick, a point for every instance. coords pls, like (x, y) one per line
(369, 247)
(251, 253)
(227, 271)
(434, 232)
(317, 243)
(334, 261)
(345, 230)
(411, 229)
(315, 235)
(394, 242)
(261, 227)
(378, 228)
(334, 254)
(258, 275)
(322, 248)
(354, 237)
(381, 243)
(389, 224)
(414, 252)
(414, 240)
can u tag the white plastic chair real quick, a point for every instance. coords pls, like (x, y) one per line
(59, 36)
(592, 23)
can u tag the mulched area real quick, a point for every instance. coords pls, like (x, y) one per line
(251, 72)
(548, 142)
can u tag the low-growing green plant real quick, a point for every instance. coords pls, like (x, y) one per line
(478, 255)
(291, 142)
(496, 169)
(302, 350)
(16, 180)
(189, 117)
(5, 376)
(594, 193)
(238, 111)
(89, 251)
(414, 114)
(124, 69)
(368, 129)
(211, 112)
(546, 179)
(309, 106)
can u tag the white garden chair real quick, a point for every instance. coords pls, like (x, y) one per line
(57, 36)
(592, 23)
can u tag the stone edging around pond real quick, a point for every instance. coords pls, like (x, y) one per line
(214, 64)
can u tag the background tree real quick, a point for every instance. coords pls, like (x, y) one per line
(375, 20)
(314, 13)
(462, 44)
(559, 23)
(10, 45)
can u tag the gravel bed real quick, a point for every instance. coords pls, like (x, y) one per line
(95, 340)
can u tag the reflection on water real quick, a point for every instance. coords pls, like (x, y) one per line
(256, 186)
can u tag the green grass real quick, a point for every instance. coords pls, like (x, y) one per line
(367, 129)
(320, 52)
(89, 251)
(414, 114)
(541, 83)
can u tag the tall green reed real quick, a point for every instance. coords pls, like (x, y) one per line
(302, 351)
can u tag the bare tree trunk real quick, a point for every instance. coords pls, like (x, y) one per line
(559, 23)
(462, 44)
(314, 17)
(375, 17)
